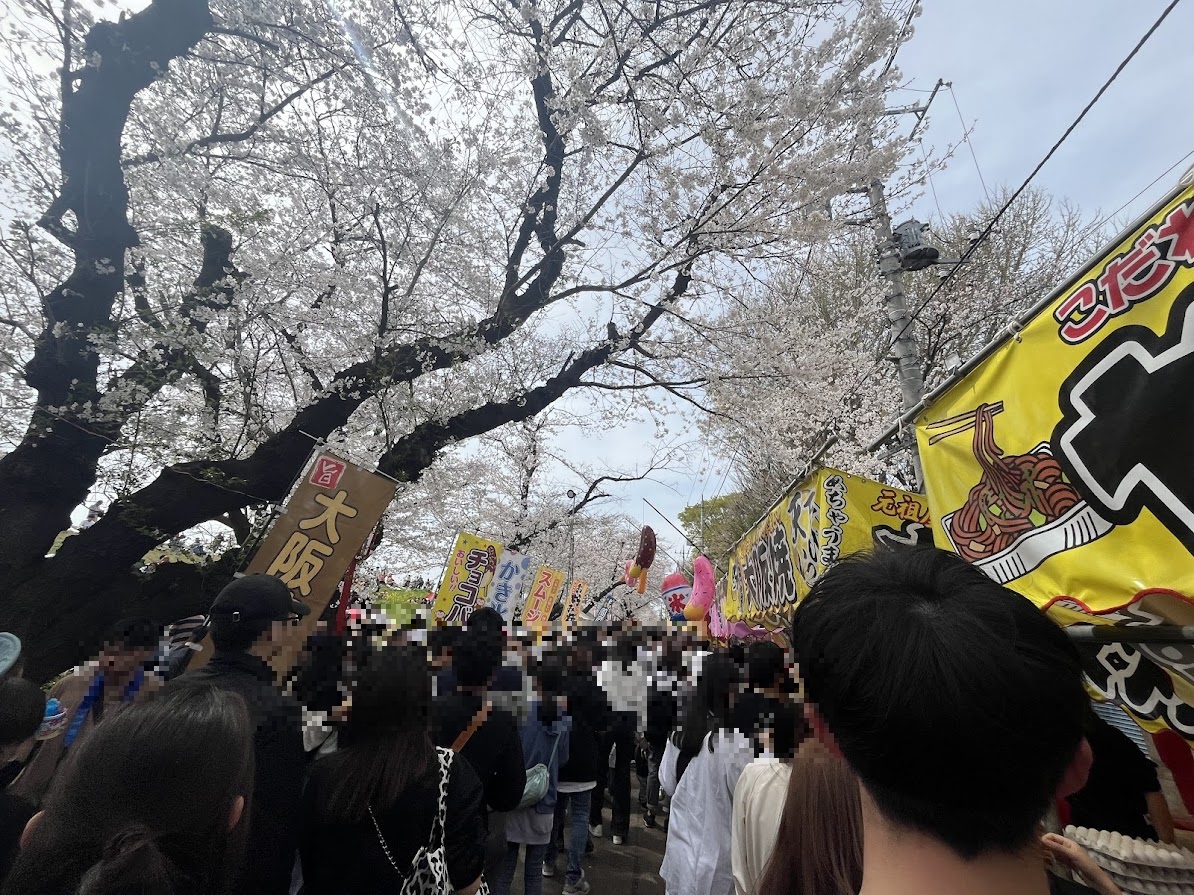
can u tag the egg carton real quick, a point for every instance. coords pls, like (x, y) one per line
(1142, 871)
(1135, 886)
(1155, 861)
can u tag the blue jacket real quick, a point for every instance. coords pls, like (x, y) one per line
(538, 740)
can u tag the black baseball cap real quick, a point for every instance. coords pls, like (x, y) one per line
(258, 597)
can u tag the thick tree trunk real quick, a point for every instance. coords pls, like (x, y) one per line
(52, 470)
(78, 616)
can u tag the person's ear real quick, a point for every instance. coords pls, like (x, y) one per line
(1077, 771)
(30, 827)
(820, 730)
(237, 812)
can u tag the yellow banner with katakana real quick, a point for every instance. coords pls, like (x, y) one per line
(467, 578)
(829, 515)
(545, 589)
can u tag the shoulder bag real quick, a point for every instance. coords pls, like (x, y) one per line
(538, 779)
(428, 872)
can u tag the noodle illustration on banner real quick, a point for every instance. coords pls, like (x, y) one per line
(1022, 510)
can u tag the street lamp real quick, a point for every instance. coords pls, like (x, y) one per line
(571, 542)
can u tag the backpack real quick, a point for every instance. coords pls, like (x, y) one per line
(428, 872)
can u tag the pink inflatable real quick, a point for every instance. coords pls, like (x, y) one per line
(704, 588)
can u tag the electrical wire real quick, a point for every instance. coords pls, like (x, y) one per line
(1094, 228)
(969, 145)
(932, 186)
(987, 230)
(899, 41)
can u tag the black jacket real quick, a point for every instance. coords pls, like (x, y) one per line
(275, 817)
(494, 751)
(14, 814)
(662, 710)
(591, 716)
(346, 859)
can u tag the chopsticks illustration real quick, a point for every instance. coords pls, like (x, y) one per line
(961, 423)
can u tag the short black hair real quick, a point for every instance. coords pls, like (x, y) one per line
(957, 702)
(230, 635)
(442, 639)
(22, 708)
(766, 662)
(477, 657)
(486, 618)
(736, 650)
(134, 633)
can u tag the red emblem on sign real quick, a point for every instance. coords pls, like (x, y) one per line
(327, 472)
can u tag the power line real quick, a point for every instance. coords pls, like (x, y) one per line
(986, 232)
(932, 186)
(1095, 227)
(899, 41)
(969, 145)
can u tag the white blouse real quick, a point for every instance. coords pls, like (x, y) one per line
(697, 859)
(758, 806)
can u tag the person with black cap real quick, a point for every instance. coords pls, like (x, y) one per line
(249, 619)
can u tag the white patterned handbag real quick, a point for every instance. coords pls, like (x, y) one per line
(428, 871)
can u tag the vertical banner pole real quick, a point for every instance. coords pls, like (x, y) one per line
(345, 596)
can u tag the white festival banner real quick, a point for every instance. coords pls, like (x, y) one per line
(508, 581)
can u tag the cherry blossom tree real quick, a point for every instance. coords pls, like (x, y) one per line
(511, 485)
(841, 382)
(238, 227)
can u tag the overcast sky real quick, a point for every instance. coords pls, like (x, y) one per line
(1021, 70)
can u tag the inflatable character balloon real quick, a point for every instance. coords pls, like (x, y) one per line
(704, 588)
(675, 591)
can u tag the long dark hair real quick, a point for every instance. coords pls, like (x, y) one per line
(818, 849)
(317, 680)
(708, 708)
(385, 744)
(143, 805)
(549, 675)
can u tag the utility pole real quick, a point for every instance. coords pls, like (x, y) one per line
(904, 349)
(571, 495)
(899, 250)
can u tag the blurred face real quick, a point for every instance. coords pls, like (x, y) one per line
(274, 639)
(120, 662)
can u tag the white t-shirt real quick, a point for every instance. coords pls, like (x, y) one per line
(758, 806)
(697, 858)
(569, 786)
(626, 687)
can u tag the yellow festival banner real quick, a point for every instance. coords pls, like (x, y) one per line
(545, 588)
(1060, 466)
(823, 518)
(467, 578)
(575, 599)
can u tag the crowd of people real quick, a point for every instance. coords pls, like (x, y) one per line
(918, 730)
